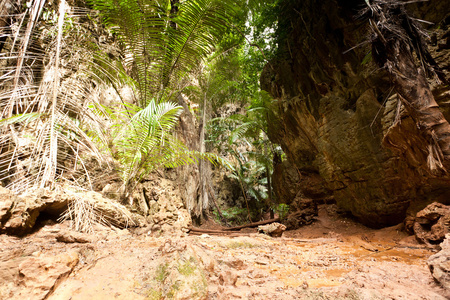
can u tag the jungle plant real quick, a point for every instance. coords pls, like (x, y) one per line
(147, 142)
(245, 137)
(163, 42)
(282, 210)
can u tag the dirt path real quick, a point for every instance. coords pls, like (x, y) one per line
(334, 258)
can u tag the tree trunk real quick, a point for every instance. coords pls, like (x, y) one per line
(203, 164)
(269, 183)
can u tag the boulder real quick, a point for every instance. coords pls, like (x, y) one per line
(40, 275)
(432, 224)
(272, 229)
(25, 210)
(439, 264)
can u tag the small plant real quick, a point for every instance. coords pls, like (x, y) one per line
(240, 245)
(233, 214)
(153, 294)
(162, 272)
(282, 210)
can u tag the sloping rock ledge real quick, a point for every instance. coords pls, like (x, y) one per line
(18, 214)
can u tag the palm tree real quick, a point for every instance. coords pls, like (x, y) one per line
(164, 42)
(161, 46)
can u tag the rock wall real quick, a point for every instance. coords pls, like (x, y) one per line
(338, 120)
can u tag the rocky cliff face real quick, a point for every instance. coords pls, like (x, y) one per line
(339, 119)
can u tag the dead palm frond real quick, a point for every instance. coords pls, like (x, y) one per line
(398, 45)
(43, 115)
(85, 213)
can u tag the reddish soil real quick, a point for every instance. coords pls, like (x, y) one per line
(334, 258)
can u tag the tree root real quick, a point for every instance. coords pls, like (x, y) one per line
(229, 230)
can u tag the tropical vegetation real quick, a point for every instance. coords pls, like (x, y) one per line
(56, 123)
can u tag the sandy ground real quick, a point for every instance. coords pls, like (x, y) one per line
(334, 258)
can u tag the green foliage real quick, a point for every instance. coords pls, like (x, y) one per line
(188, 267)
(22, 119)
(234, 215)
(244, 134)
(251, 175)
(164, 44)
(240, 245)
(153, 294)
(282, 210)
(253, 167)
(146, 141)
(367, 58)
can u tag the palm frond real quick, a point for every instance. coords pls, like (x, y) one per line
(162, 50)
(241, 131)
(141, 26)
(147, 143)
(200, 25)
(144, 139)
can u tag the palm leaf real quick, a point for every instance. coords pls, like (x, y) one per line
(200, 24)
(147, 143)
(147, 132)
(160, 50)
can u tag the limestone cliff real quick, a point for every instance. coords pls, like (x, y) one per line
(338, 119)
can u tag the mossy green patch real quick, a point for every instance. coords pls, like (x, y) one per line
(188, 267)
(162, 272)
(240, 244)
(153, 294)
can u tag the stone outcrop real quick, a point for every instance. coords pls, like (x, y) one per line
(18, 214)
(40, 275)
(162, 204)
(338, 121)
